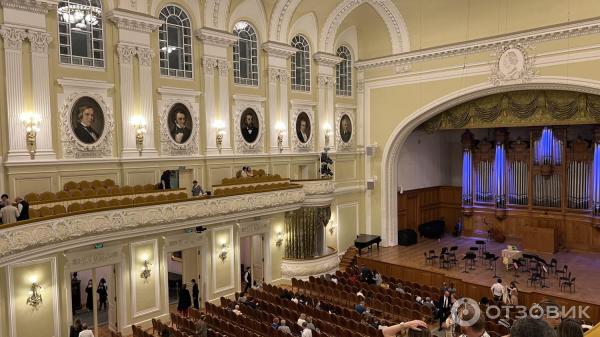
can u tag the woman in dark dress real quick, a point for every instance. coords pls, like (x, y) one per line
(89, 290)
(102, 294)
(75, 329)
(185, 301)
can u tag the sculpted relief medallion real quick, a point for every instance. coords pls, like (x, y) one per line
(512, 64)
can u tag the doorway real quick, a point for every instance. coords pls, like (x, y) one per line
(184, 267)
(252, 250)
(93, 299)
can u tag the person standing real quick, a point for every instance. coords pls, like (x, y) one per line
(195, 294)
(513, 294)
(498, 291)
(196, 189)
(102, 294)
(23, 207)
(75, 329)
(85, 331)
(247, 279)
(9, 213)
(444, 306)
(165, 180)
(185, 301)
(89, 301)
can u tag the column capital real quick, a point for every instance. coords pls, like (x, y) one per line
(325, 81)
(209, 64)
(216, 37)
(126, 53)
(278, 74)
(39, 41)
(145, 55)
(223, 66)
(13, 37)
(327, 59)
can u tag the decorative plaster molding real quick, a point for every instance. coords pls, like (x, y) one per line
(254, 227)
(512, 63)
(278, 74)
(318, 187)
(39, 41)
(78, 260)
(297, 109)
(273, 48)
(216, 37)
(389, 13)
(241, 103)
(173, 91)
(126, 53)
(191, 145)
(76, 83)
(327, 59)
(135, 21)
(59, 230)
(209, 64)
(223, 65)
(185, 241)
(13, 37)
(556, 32)
(302, 269)
(145, 56)
(325, 81)
(35, 6)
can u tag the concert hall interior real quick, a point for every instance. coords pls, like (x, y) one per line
(326, 168)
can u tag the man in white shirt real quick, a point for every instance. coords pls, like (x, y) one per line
(498, 290)
(306, 332)
(360, 294)
(302, 320)
(9, 213)
(237, 311)
(85, 332)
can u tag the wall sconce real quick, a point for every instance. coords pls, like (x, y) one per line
(279, 241)
(139, 123)
(146, 271)
(327, 130)
(280, 128)
(219, 127)
(223, 253)
(331, 229)
(32, 122)
(35, 297)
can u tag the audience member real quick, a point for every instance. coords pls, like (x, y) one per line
(302, 319)
(399, 288)
(306, 332)
(452, 289)
(476, 329)
(3, 200)
(570, 328)
(195, 294)
(275, 324)
(9, 212)
(236, 310)
(201, 328)
(377, 278)
(529, 326)
(551, 312)
(102, 291)
(75, 329)
(360, 294)
(85, 331)
(247, 279)
(310, 324)
(360, 307)
(23, 207)
(284, 328)
(196, 189)
(242, 298)
(185, 301)
(392, 331)
(443, 307)
(513, 294)
(165, 180)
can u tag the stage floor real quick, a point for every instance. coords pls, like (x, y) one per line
(583, 265)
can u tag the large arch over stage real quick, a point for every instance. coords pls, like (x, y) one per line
(391, 151)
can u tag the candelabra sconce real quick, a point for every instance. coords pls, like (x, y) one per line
(219, 127)
(34, 299)
(139, 123)
(279, 241)
(32, 127)
(223, 252)
(280, 134)
(146, 271)
(331, 229)
(327, 130)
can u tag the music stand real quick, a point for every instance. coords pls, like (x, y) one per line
(516, 265)
(465, 260)
(471, 256)
(495, 258)
(543, 272)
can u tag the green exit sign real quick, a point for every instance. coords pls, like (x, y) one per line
(99, 245)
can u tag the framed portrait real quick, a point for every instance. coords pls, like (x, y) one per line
(345, 128)
(249, 125)
(180, 123)
(87, 120)
(303, 127)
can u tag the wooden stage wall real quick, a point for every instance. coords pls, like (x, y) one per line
(425, 204)
(467, 289)
(575, 230)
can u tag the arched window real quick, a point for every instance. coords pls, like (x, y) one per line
(175, 42)
(301, 64)
(245, 55)
(80, 32)
(343, 72)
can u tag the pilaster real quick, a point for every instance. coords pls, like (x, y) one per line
(145, 55)
(126, 53)
(13, 42)
(325, 96)
(41, 91)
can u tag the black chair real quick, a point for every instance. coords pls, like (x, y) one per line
(552, 266)
(563, 272)
(565, 278)
(452, 255)
(481, 245)
(474, 250)
(444, 251)
(534, 278)
(488, 257)
(471, 257)
(445, 262)
(570, 283)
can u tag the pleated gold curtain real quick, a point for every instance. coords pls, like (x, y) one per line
(302, 228)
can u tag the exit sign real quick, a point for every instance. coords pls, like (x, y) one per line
(99, 245)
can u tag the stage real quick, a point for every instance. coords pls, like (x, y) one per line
(408, 263)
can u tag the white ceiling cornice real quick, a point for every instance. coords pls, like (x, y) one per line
(36, 6)
(129, 20)
(555, 32)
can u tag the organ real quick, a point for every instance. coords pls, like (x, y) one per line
(510, 182)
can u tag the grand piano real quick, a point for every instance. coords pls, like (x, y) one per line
(365, 241)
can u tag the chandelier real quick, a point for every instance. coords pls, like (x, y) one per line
(79, 15)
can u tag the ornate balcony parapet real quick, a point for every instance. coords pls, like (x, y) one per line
(302, 269)
(47, 236)
(319, 192)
